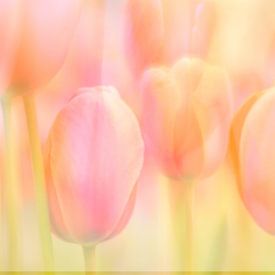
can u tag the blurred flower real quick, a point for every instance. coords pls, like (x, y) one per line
(161, 31)
(186, 112)
(253, 133)
(93, 160)
(41, 32)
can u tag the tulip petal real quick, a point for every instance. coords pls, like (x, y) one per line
(161, 100)
(257, 159)
(44, 40)
(96, 154)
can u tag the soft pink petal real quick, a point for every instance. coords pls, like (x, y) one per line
(96, 154)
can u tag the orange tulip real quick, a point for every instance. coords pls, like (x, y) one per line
(161, 31)
(94, 158)
(256, 158)
(185, 115)
(44, 29)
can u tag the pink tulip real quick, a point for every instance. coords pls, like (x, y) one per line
(44, 29)
(161, 31)
(257, 159)
(94, 158)
(185, 115)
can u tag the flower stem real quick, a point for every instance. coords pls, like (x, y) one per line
(89, 259)
(39, 178)
(11, 185)
(181, 201)
(189, 220)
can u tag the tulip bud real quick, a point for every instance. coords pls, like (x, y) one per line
(44, 29)
(93, 159)
(257, 159)
(186, 114)
(161, 31)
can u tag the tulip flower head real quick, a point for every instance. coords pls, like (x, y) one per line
(44, 29)
(185, 116)
(94, 157)
(161, 31)
(256, 160)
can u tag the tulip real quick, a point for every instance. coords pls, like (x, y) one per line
(44, 29)
(36, 37)
(186, 112)
(94, 157)
(161, 31)
(256, 158)
(243, 233)
(185, 117)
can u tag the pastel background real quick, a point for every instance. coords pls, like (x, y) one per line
(141, 128)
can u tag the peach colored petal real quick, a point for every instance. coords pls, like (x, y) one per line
(213, 104)
(186, 116)
(161, 100)
(188, 138)
(44, 40)
(257, 158)
(236, 131)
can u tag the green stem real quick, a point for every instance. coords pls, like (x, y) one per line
(11, 185)
(89, 259)
(189, 222)
(40, 188)
(181, 198)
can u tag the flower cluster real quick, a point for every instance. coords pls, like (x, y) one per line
(124, 90)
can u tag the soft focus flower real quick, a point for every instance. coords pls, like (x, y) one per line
(256, 157)
(186, 112)
(161, 31)
(94, 157)
(44, 29)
